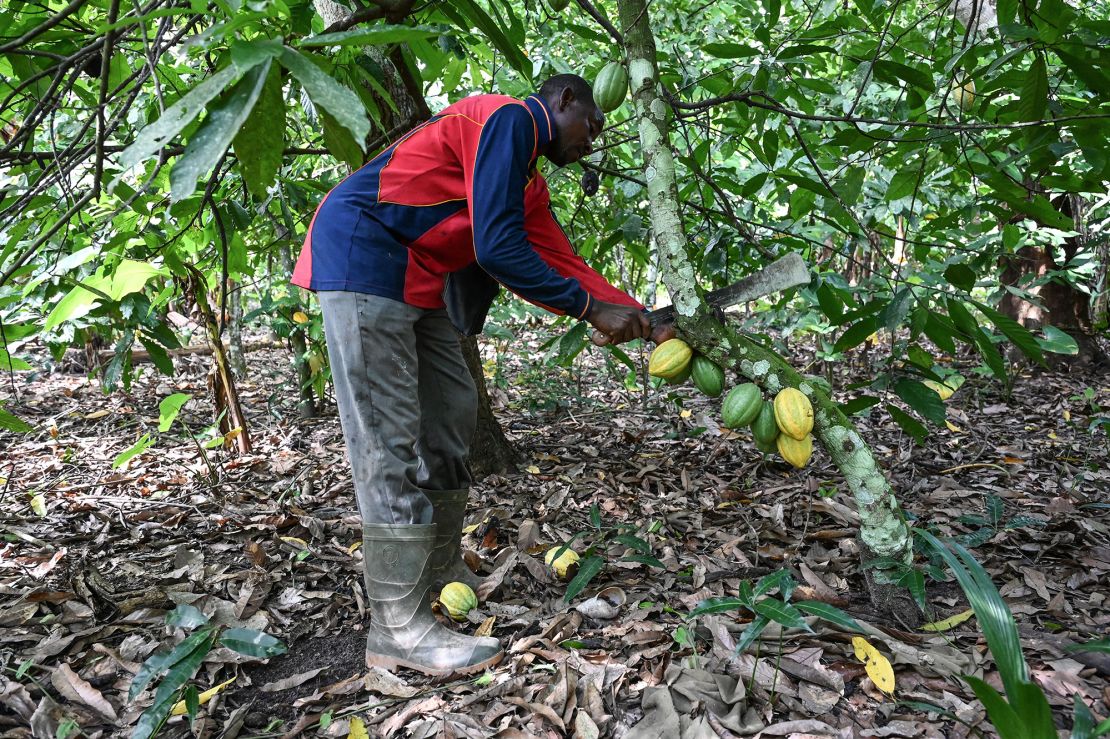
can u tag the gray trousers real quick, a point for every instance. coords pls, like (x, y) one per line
(406, 399)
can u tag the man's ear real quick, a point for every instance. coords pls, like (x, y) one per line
(566, 98)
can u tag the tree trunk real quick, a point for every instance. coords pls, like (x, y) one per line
(490, 451)
(307, 406)
(1062, 305)
(235, 330)
(884, 533)
(225, 397)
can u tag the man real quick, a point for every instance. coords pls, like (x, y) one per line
(459, 189)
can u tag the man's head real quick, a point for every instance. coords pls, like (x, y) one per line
(578, 120)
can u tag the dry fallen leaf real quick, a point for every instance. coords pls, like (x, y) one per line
(949, 622)
(180, 709)
(878, 667)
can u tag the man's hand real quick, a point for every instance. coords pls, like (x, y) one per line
(663, 332)
(617, 324)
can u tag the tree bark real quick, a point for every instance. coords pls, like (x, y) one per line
(490, 452)
(1062, 304)
(884, 533)
(235, 330)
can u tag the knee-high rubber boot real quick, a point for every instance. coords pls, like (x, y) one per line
(448, 510)
(403, 630)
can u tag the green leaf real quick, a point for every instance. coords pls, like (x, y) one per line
(374, 36)
(770, 582)
(832, 614)
(8, 363)
(1033, 711)
(755, 628)
(1095, 79)
(177, 116)
(207, 146)
(158, 355)
(887, 69)
(1014, 331)
(908, 423)
(857, 405)
(481, 20)
(922, 399)
(588, 569)
(857, 333)
(12, 423)
(994, 616)
(252, 643)
(903, 183)
(342, 103)
(169, 408)
(1098, 645)
(960, 276)
(729, 50)
(261, 140)
(782, 613)
(1034, 91)
(249, 54)
(186, 616)
(158, 663)
(1057, 342)
(717, 605)
(164, 698)
(340, 142)
(1001, 714)
(645, 559)
(634, 542)
(1083, 723)
(140, 446)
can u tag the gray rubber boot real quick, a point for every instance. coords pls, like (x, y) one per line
(403, 630)
(448, 510)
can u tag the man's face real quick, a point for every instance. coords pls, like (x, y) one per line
(577, 124)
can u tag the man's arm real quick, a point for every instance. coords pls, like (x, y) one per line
(495, 185)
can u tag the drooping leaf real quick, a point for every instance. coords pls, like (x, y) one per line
(343, 104)
(922, 399)
(207, 146)
(259, 143)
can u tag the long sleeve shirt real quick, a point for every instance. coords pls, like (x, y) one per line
(460, 188)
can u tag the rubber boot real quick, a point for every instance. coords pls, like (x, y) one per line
(403, 630)
(448, 510)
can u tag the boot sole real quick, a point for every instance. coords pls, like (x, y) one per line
(392, 663)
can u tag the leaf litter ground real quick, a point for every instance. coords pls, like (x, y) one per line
(273, 545)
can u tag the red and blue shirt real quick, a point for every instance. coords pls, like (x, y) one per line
(457, 189)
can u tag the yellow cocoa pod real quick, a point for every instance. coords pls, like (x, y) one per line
(670, 359)
(964, 94)
(796, 452)
(457, 600)
(565, 564)
(793, 413)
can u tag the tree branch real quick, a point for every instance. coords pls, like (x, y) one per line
(43, 27)
(596, 14)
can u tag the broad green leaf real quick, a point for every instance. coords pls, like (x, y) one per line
(343, 104)
(717, 605)
(158, 663)
(728, 50)
(140, 446)
(261, 140)
(782, 613)
(922, 399)
(887, 69)
(340, 142)
(12, 423)
(207, 146)
(858, 405)
(908, 423)
(752, 632)
(1098, 645)
(1033, 710)
(903, 183)
(857, 333)
(633, 541)
(1058, 342)
(961, 276)
(1034, 92)
(994, 616)
(169, 408)
(8, 363)
(376, 35)
(177, 116)
(588, 568)
(1000, 713)
(832, 614)
(478, 18)
(252, 643)
(249, 54)
(645, 559)
(176, 678)
(1014, 331)
(771, 582)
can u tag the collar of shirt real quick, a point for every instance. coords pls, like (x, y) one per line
(545, 122)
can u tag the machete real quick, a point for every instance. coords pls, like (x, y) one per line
(782, 274)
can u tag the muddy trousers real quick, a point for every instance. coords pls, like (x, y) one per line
(406, 400)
